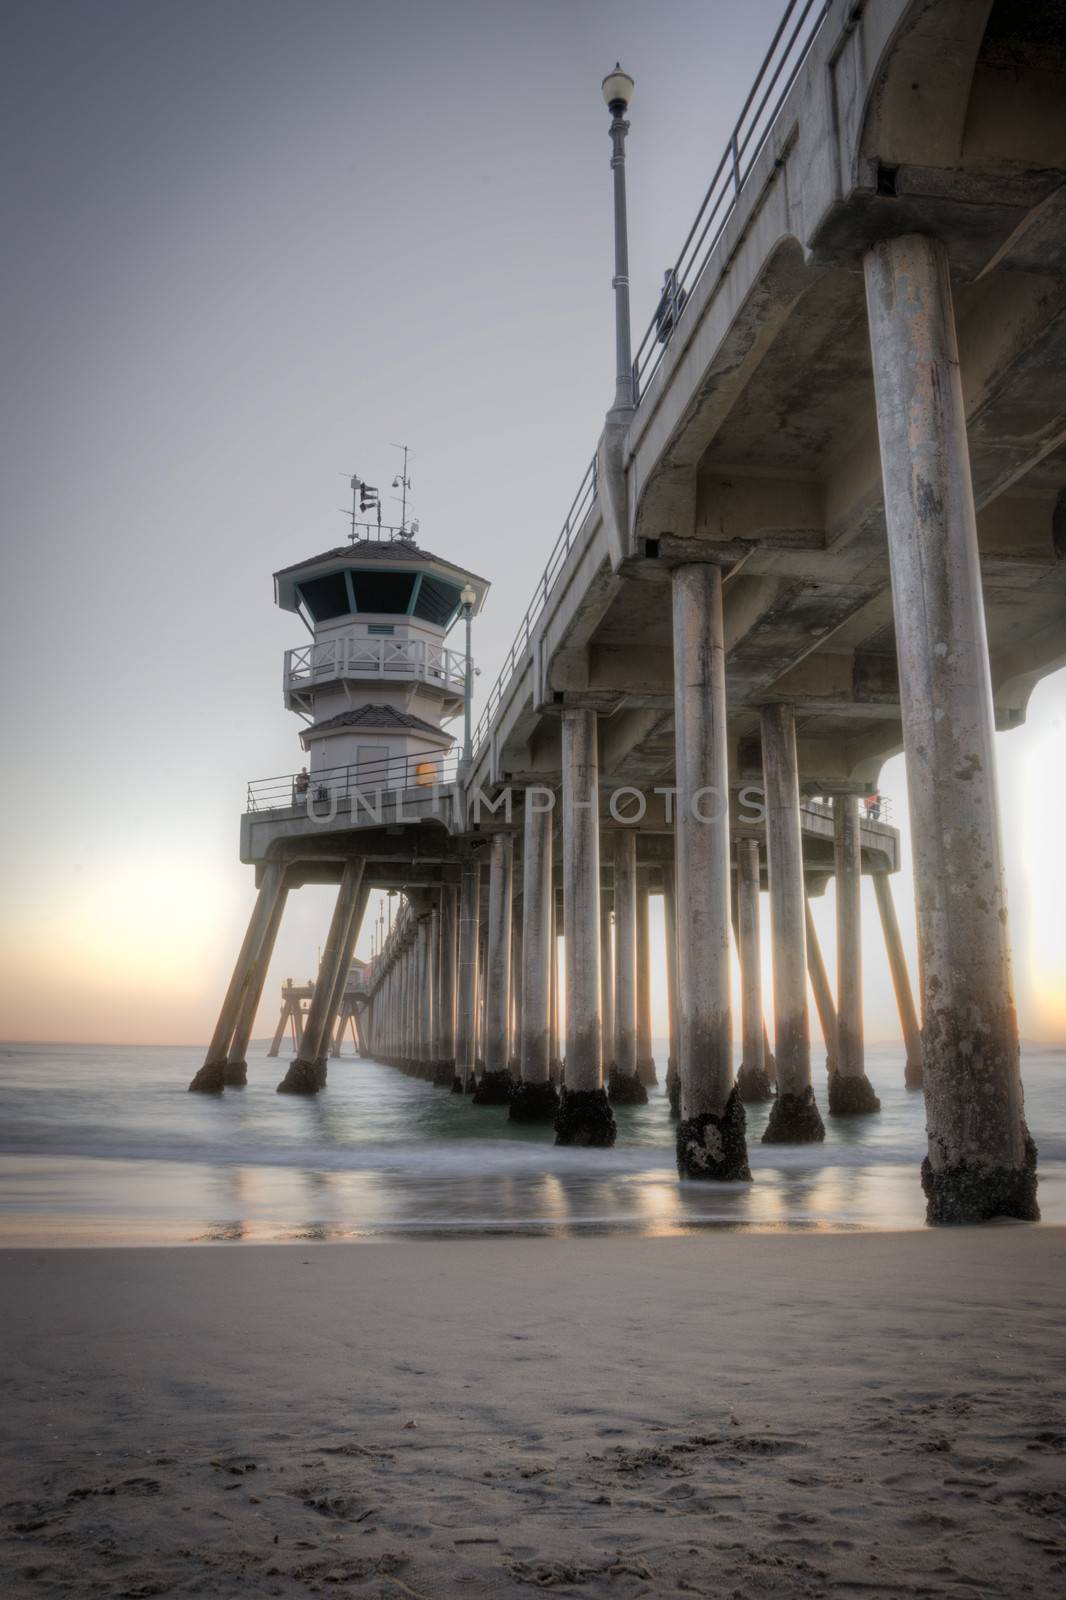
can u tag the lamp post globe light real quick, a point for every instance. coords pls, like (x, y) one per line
(467, 598)
(618, 93)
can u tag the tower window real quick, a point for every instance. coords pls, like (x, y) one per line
(387, 593)
(437, 601)
(326, 597)
(380, 628)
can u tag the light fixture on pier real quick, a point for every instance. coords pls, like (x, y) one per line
(618, 93)
(618, 90)
(467, 597)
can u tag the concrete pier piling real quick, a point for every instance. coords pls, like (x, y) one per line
(584, 1115)
(753, 1082)
(981, 1160)
(824, 1003)
(340, 979)
(445, 1064)
(850, 1090)
(494, 1083)
(794, 1117)
(514, 1063)
(901, 982)
(466, 1028)
(307, 1073)
(673, 1076)
(711, 1142)
(556, 1063)
(623, 1084)
(646, 1070)
(535, 1098)
(235, 1073)
(402, 1003)
(211, 1078)
(290, 1013)
(410, 1001)
(424, 998)
(607, 975)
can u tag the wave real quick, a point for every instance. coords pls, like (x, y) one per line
(472, 1158)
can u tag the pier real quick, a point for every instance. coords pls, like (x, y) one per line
(823, 523)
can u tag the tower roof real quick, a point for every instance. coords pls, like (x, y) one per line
(387, 550)
(385, 718)
(376, 719)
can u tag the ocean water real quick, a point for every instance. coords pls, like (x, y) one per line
(103, 1145)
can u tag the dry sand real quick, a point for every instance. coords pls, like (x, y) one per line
(727, 1415)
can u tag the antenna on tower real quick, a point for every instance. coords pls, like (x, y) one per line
(403, 483)
(356, 486)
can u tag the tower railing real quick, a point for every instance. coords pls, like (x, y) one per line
(361, 656)
(780, 67)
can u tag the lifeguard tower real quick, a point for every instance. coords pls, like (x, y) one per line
(374, 689)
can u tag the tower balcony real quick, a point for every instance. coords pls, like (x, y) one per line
(358, 658)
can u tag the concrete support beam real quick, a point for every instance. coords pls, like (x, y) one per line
(794, 1118)
(211, 1077)
(850, 1090)
(981, 1161)
(534, 1097)
(901, 983)
(494, 1085)
(307, 1073)
(584, 1115)
(711, 1141)
(624, 1085)
(753, 1082)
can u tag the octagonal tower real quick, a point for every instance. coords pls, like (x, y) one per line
(378, 681)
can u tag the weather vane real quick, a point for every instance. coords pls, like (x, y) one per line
(366, 498)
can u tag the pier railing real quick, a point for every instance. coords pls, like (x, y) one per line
(873, 809)
(788, 50)
(580, 507)
(362, 785)
(359, 656)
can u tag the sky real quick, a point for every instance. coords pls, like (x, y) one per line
(249, 247)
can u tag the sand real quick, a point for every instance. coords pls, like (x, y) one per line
(723, 1414)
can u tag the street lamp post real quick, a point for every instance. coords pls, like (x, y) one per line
(466, 599)
(618, 92)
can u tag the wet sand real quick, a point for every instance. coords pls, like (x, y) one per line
(725, 1414)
